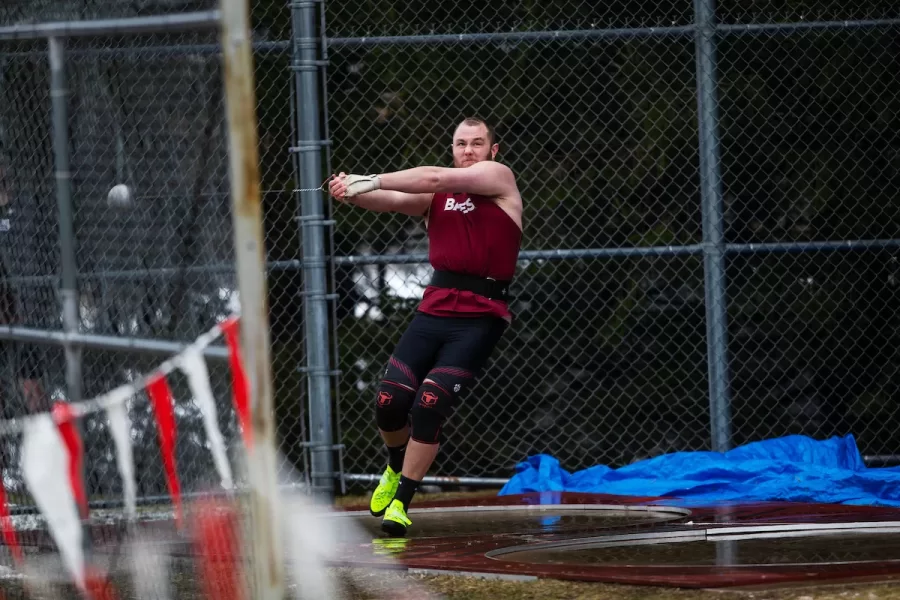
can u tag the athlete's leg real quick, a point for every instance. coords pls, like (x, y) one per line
(459, 362)
(412, 359)
(469, 344)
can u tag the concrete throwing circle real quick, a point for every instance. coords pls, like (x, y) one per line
(736, 547)
(637, 541)
(523, 520)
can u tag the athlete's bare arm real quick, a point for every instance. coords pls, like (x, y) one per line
(485, 178)
(414, 205)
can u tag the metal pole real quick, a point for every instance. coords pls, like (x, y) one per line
(104, 342)
(335, 347)
(713, 226)
(99, 27)
(312, 218)
(59, 98)
(267, 562)
(483, 482)
(154, 52)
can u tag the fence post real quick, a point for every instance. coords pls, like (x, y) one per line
(713, 225)
(267, 559)
(59, 99)
(305, 67)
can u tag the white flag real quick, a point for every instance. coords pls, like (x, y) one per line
(193, 365)
(120, 429)
(45, 468)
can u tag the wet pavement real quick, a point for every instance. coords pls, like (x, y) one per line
(520, 521)
(807, 550)
(640, 540)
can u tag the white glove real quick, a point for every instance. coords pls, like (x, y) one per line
(361, 184)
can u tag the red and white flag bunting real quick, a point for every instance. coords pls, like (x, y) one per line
(45, 468)
(8, 530)
(240, 389)
(120, 429)
(52, 457)
(193, 366)
(64, 417)
(164, 411)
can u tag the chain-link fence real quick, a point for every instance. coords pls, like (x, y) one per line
(144, 109)
(710, 218)
(99, 289)
(708, 194)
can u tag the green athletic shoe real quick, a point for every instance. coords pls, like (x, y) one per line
(395, 520)
(384, 493)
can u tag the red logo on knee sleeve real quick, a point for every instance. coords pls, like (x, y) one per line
(429, 399)
(384, 398)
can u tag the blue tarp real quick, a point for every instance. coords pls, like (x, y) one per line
(794, 468)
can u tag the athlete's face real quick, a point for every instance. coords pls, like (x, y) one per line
(471, 144)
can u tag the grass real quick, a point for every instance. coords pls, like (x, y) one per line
(357, 584)
(452, 587)
(360, 584)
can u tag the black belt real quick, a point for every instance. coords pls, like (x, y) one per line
(483, 286)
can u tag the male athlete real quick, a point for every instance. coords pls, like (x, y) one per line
(473, 213)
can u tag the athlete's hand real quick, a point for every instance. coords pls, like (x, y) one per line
(355, 185)
(337, 187)
(344, 186)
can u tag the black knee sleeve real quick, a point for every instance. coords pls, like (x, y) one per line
(432, 407)
(436, 400)
(454, 380)
(392, 406)
(395, 397)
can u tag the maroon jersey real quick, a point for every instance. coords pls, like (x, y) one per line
(471, 235)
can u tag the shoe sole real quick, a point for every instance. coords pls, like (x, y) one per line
(393, 529)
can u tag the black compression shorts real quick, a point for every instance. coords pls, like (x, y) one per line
(463, 343)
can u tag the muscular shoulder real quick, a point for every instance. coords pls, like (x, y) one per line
(496, 170)
(510, 194)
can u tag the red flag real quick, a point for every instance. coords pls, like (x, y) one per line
(65, 423)
(161, 397)
(240, 387)
(99, 587)
(217, 548)
(7, 529)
